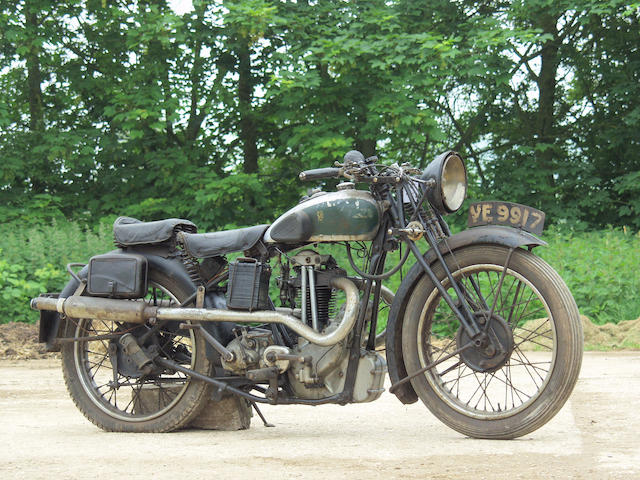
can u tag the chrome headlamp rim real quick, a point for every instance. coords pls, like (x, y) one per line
(448, 176)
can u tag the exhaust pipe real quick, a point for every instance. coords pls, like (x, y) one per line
(140, 311)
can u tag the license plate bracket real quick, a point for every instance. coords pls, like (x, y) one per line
(507, 214)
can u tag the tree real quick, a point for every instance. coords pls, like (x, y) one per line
(109, 107)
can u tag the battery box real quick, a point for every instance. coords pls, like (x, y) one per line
(248, 286)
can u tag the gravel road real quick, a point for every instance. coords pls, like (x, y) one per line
(596, 435)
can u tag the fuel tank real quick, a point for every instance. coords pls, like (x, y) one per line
(345, 215)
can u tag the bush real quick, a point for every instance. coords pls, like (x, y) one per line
(33, 260)
(600, 268)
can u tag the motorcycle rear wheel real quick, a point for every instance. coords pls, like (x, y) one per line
(521, 393)
(159, 402)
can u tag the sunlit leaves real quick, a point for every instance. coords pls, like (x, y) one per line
(140, 104)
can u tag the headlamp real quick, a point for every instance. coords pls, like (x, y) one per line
(449, 186)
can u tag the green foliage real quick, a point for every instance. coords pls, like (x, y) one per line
(235, 200)
(110, 108)
(33, 259)
(58, 243)
(601, 270)
(16, 291)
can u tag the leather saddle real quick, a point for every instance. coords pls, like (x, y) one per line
(129, 231)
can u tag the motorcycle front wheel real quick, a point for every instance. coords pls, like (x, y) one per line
(493, 395)
(128, 401)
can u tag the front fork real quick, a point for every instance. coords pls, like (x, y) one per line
(475, 330)
(469, 320)
(464, 313)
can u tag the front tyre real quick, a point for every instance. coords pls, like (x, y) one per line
(521, 390)
(129, 401)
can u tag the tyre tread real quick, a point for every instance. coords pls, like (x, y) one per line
(187, 408)
(564, 382)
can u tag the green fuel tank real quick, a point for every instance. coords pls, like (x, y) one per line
(346, 215)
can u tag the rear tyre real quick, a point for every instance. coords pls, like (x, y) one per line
(534, 314)
(161, 401)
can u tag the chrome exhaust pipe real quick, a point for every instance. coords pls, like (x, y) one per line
(140, 312)
(131, 311)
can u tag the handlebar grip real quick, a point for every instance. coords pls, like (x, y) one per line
(318, 173)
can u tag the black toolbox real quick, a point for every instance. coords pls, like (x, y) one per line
(117, 276)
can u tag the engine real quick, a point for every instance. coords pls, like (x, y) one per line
(325, 374)
(313, 371)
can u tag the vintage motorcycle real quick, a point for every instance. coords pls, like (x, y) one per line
(481, 330)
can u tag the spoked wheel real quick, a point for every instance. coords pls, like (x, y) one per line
(112, 391)
(490, 392)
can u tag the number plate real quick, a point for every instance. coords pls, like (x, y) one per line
(506, 213)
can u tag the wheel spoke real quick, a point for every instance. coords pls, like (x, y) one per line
(478, 388)
(524, 308)
(99, 365)
(517, 306)
(452, 367)
(459, 377)
(525, 364)
(484, 385)
(509, 383)
(513, 305)
(443, 351)
(534, 334)
(534, 366)
(132, 397)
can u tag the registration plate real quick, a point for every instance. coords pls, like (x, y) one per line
(508, 214)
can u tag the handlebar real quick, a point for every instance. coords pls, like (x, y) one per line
(319, 173)
(358, 169)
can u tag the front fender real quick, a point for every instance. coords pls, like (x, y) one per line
(487, 235)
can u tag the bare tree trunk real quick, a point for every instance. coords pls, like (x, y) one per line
(547, 82)
(367, 146)
(248, 134)
(34, 76)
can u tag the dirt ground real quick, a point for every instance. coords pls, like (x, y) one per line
(19, 341)
(594, 436)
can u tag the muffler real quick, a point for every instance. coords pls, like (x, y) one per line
(138, 311)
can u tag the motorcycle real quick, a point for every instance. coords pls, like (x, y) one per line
(482, 331)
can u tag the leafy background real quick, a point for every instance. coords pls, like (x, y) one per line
(114, 107)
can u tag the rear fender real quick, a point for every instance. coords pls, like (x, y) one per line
(487, 235)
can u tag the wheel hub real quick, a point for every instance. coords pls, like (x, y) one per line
(125, 364)
(128, 359)
(492, 349)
